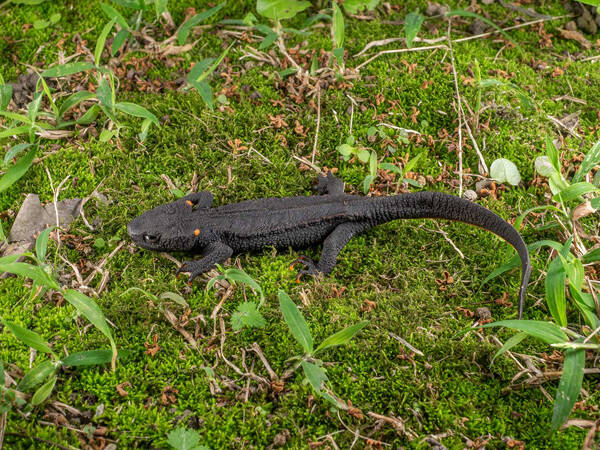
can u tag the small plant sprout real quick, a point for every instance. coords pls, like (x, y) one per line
(313, 368)
(247, 314)
(566, 283)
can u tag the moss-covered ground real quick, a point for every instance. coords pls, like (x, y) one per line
(452, 393)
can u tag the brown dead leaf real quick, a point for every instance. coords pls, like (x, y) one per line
(299, 129)
(379, 99)
(237, 146)
(54, 134)
(168, 395)
(557, 72)
(152, 349)
(120, 388)
(368, 306)
(277, 121)
(576, 36)
(415, 114)
(426, 84)
(466, 312)
(355, 412)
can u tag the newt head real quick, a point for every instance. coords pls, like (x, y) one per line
(167, 227)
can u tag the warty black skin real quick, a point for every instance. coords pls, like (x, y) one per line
(332, 218)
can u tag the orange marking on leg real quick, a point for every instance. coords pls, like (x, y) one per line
(189, 202)
(196, 232)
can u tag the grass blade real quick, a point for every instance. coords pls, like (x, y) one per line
(568, 387)
(43, 392)
(341, 337)
(136, 110)
(36, 273)
(37, 375)
(14, 151)
(41, 243)
(28, 337)
(413, 23)
(92, 312)
(184, 30)
(574, 191)
(555, 291)
(16, 171)
(591, 159)
(516, 339)
(113, 13)
(548, 332)
(87, 358)
(295, 321)
(73, 100)
(463, 13)
(67, 69)
(338, 26)
(102, 40)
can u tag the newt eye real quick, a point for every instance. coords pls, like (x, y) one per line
(151, 239)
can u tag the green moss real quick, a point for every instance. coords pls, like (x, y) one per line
(451, 391)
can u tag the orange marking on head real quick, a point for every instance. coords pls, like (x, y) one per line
(189, 202)
(196, 232)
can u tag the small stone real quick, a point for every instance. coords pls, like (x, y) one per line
(435, 9)
(483, 184)
(421, 180)
(470, 195)
(483, 313)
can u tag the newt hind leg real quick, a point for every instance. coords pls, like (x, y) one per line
(332, 245)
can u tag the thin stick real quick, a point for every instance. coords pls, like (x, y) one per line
(399, 50)
(468, 38)
(479, 154)
(459, 111)
(314, 152)
(2, 429)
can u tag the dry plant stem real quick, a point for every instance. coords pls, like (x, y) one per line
(314, 152)
(355, 433)
(468, 38)
(588, 442)
(400, 50)
(2, 429)
(284, 52)
(484, 166)
(308, 163)
(459, 110)
(263, 359)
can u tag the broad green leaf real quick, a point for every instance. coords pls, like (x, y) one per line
(519, 220)
(510, 343)
(411, 164)
(574, 191)
(118, 41)
(199, 68)
(89, 116)
(463, 13)
(113, 13)
(199, 75)
(552, 153)
(87, 358)
(373, 164)
(37, 375)
(269, 39)
(505, 171)
(315, 375)
(363, 155)
(338, 26)
(136, 110)
(412, 25)
(102, 40)
(543, 166)
(36, 273)
(557, 183)
(41, 243)
(143, 134)
(160, 7)
(205, 92)
(43, 392)
(5, 95)
(34, 107)
(548, 332)
(295, 321)
(242, 277)
(28, 337)
(568, 386)
(341, 337)
(67, 69)
(586, 305)
(592, 158)
(591, 256)
(104, 94)
(92, 312)
(17, 117)
(184, 30)
(280, 9)
(14, 151)
(367, 183)
(555, 292)
(73, 100)
(390, 167)
(184, 439)
(175, 297)
(247, 315)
